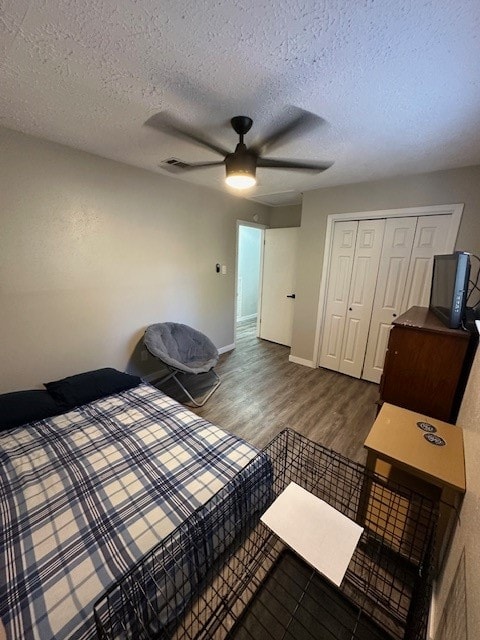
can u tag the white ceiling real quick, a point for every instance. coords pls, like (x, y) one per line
(397, 81)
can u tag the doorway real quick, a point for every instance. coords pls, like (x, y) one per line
(248, 276)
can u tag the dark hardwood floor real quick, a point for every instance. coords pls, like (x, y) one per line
(262, 393)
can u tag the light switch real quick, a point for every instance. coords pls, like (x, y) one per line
(224, 269)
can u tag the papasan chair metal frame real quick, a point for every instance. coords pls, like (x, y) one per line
(182, 349)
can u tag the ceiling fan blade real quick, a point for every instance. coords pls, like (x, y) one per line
(273, 163)
(202, 165)
(166, 124)
(301, 122)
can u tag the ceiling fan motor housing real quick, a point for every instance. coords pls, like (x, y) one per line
(241, 124)
(241, 162)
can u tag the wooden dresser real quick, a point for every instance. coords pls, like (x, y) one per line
(426, 365)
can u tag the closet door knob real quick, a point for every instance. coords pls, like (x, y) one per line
(350, 309)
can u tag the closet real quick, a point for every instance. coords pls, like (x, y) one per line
(378, 269)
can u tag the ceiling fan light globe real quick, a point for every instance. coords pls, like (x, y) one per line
(240, 180)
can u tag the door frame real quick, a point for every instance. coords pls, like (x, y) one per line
(262, 227)
(453, 210)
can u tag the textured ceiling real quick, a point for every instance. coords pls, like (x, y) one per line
(397, 81)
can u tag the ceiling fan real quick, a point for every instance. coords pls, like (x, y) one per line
(241, 164)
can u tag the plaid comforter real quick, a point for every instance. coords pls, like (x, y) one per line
(86, 494)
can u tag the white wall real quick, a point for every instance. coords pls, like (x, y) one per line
(248, 271)
(93, 251)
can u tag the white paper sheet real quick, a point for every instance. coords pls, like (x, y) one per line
(320, 534)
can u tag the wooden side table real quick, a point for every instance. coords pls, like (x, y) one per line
(398, 450)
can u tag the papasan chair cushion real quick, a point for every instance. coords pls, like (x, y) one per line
(181, 347)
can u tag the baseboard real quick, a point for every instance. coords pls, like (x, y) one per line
(228, 347)
(302, 361)
(252, 316)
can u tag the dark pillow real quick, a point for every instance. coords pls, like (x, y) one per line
(20, 407)
(92, 385)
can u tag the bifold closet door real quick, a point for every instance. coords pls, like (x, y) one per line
(362, 290)
(404, 279)
(431, 238)
(340, 275)
(353, 273)
(389, 293)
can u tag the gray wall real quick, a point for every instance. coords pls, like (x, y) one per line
(248, 271)
(441, 187)
(287, 216)
(93, 251)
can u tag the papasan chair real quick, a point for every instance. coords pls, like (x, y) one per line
(182, 350)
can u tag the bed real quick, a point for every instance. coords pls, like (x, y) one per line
(85, 494)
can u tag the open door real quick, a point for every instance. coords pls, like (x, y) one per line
(278, 285)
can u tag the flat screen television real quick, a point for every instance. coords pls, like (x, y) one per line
(448, 295)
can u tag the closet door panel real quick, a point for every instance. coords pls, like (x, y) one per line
(392, 276)
(334, 337)
(362, 289)
(430, 239)
(343, 250)
(351, 341)
(378, 357)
